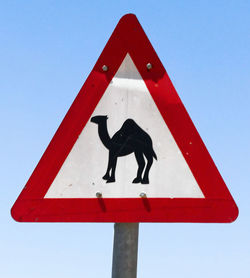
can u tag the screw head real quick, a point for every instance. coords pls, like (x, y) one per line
(98, 194)
(143, 195)
(105, 68)
(149, 66)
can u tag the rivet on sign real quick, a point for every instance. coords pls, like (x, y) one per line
(105, 68)
(98, 194)
(143, 195)
(149, 66)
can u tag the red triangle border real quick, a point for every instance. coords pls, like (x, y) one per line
(218, 204)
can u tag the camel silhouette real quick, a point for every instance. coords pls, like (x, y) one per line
(130, 138)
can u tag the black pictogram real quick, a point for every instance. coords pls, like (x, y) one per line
(130, 138)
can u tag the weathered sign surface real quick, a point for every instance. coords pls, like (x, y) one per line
(127, 150)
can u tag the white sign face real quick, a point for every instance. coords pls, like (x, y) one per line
(81, 175)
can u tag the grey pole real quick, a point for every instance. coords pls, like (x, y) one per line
(125, 250)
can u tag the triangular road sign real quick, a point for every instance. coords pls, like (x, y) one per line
(127, 150)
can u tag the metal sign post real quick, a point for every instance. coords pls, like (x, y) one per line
(125, 250)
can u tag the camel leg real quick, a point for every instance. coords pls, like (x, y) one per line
(145, 179)
(107, 176)
(113, 166)
(141, 163)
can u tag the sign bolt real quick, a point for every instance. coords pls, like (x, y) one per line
(149, 66)
(98, 194)
(105, 68)
(143, 195)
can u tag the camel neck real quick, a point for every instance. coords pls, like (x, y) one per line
(103, 134)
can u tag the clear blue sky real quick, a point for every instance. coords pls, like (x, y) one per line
(47, 49)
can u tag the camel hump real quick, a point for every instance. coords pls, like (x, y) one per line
(130, 123)
(130, 126)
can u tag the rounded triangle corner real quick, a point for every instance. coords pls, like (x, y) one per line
(128, 17)
(15, 215)
(234, 214)
(229, 212)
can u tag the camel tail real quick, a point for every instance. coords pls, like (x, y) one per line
(154, 155)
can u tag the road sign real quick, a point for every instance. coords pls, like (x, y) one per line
(127, 150)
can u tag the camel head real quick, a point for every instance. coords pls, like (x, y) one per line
(99, 119)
